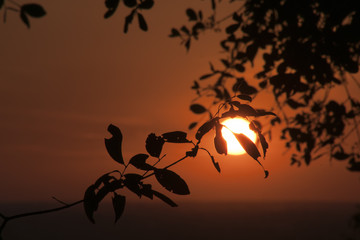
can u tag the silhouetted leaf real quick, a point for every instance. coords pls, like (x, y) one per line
(245, 110)
(239, 67)
(118, 205)
(164, 198)
(185, 30)
(232, 28)
(128, 20)
(266, 173)
(146, 4)
(175, 137)
(174, 33)
(104, 179)
(154, 145)
(139, 161)
(219, 141)
(90, 203)
(216, 164)
(1, 3)
(132, 182)
(251, 51)
(33, 10)
(206, 127)
(112, 6)
(147, 191)
(171, 181)
(192, 125)
(244, 97)
(130, 3)
(187, 44)
(293, 104)
(197, 108)
(113, 145)
(248, 145)
(264, 143)
(193, 151)
(25, 19)
(142, 22)
(213, 4)
(341, 155)
(261, 112)
(206, 76)
(191, 14)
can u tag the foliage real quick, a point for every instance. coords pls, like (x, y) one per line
(305, 50)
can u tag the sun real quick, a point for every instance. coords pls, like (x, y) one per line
(236, 125)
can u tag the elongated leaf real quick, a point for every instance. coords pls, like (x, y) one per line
(174, 33)
(139, 161)
(246, 110)
(33, 10)
(24, 19)
(132, 182)
(191, 14)
(142, 22)
(219, 141)
(264, 143)
(244, 97)
(113, 145)
(119, 202)
(146, 190)
(90, 203)
(1, 3)
(164, 198)
(128, 20)
(192, 125)
(175, 137)
(216, 164)
(171, 181)
(146, 4)
(154, 145)
(112, 6)
(130, 3)
(248, 145)
(197, 108)
(205, 128)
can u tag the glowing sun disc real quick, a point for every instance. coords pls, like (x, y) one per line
(236, 125)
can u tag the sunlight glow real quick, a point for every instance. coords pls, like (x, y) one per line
(236, 125)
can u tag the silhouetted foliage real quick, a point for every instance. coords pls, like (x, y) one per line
(303, 50)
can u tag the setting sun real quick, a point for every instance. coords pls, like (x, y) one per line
(236, 125)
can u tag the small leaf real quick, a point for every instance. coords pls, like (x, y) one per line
(232, 28)
(118, 205)
(130, 3)
(219, 141)
(90, 203)
(132, 182)
(206, 127)
(213, 4)
(142, 22)
(263, 142)
(25, 19)
(239, 67)
(216, 164)
(192, 125)
(206, 76)
(197, 108)
(139, 161)
(251, 51)
(175, 137)
(245, 110)
(171, 181)
(164, 198)
(128, 20)
(174, 33)
(244, 97)
(340, 155)
(34, 10)
(146, 4)
(113, 145)
(191, 14)
(248, 145)
(187, 44)
(154, 145)
(112, 6)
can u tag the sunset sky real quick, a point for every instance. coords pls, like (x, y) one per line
(73, 73)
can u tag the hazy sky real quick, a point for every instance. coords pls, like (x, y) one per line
(73, 73)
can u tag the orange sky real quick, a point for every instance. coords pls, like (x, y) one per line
(73, 73)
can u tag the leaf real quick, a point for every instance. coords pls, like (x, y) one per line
(251, 51)
(139, 161)
(147, 191)
(185, 30)
(187, 44)
(175, 137)
(248, 145)
(90, 203)
(206, 76)
(197, 108)
(118, 205)
(146, 4)
(174, 33)
(245, 110)
(132, 182)
(164, 198)
(192, 125)
(171, 181)
(130, 3)
(25, 19)
(216, 164)
(154, 145)
(213, 4)
(293, 104)
(1, 3)
(244, 97)
(340, 155)
(191, 14)
(206, 127)
(240, 67)
(219, 141)
(263, 142)
(232, 28)
(34, 10)
(112, 6)
(128, 20)
(113, 145)
(142, 22)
